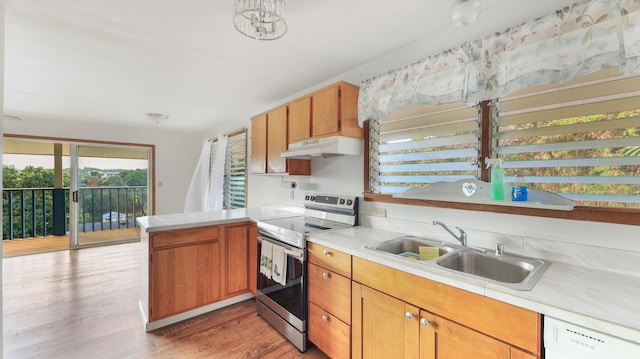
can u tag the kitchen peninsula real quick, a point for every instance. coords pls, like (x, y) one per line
(194, 263)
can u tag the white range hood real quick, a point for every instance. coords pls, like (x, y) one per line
(327, 146)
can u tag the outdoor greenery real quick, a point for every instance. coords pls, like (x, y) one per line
(28, 199)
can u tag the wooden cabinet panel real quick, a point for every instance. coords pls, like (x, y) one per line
(330, 291)
(455, 341)
(381, 328)
(183, 237)
(183, 278)
(427, 335)
(325, 110)
(276, 140)
(330, 258)
(522, 329)
(253, 258)
(519, 354)
(259, 144)
(300, 120)
(328, 333)
(236, 259)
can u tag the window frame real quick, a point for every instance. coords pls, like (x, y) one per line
(581, 213)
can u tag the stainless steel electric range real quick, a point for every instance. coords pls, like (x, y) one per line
(285, 306)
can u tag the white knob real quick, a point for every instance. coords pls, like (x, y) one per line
(326, 252)
(325, 318)
(408, 315)
(424, 322)
(325, 275)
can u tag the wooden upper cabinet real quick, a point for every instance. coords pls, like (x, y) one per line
(300, 120)
(268, 141)
(276, 140)
(326, 111)
(259, 144)
(330, 111)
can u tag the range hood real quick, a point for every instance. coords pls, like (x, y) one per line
(326, 146)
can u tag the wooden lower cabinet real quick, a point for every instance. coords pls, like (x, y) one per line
(418, 320)
(329, 300)
(184, 273)
(236, 257)
(191, 268)
(386, 327)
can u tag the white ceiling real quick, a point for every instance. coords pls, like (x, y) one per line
(113, 61)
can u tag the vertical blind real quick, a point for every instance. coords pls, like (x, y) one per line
(235, 179)
(422, 144)
(580, 139)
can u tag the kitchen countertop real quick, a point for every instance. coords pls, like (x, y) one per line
(595, 299)
(198, 219)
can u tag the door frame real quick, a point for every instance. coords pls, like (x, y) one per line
(73, 143)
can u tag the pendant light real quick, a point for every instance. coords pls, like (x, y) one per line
(464, 12)
(261, 19)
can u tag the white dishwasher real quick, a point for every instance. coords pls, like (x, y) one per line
(564, 340)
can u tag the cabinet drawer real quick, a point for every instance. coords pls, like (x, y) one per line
(328, 333)
(183, 237)
(331, 259)
(330, 291)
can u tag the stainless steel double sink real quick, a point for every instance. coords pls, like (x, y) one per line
(511, 270)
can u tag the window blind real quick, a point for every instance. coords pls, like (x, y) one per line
(235, 178)
(422, 144)
(580, 139)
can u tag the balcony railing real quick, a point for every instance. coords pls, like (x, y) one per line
(34, 212)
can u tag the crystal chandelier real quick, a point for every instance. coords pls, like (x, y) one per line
(464, 12)
(261, 19)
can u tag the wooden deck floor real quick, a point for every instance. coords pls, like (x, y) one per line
(84, 304)
(22, 246)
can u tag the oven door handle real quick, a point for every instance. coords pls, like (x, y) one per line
(299, 254)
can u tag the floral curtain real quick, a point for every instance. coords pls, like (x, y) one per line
(559, 47)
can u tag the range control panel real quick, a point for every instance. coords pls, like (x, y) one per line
(330, 202)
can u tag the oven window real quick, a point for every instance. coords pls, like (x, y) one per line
(290, 297)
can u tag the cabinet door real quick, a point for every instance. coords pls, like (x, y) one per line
(456, 341)
(236, 260)
(259, 144)
(276, 140)
(427, 335)
(300, 120)
(325, 112)
(383, 326)
(184, 278)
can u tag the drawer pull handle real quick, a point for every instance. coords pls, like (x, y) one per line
(326, 252)
(424, 322)
(325, 275)
(408, 315)
(325, 318)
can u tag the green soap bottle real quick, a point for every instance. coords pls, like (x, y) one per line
(497, 178)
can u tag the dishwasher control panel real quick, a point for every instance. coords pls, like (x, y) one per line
(564, 340)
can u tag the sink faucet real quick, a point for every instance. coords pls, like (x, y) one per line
(463, 235)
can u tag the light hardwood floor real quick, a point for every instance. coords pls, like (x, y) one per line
(20, 246)
(84, 304)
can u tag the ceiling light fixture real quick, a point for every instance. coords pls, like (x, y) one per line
(464, 12)
(261, 19)
(157, 117)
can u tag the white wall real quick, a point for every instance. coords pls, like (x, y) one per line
(176, 152)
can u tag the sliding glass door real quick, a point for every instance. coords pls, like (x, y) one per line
(109, 190)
